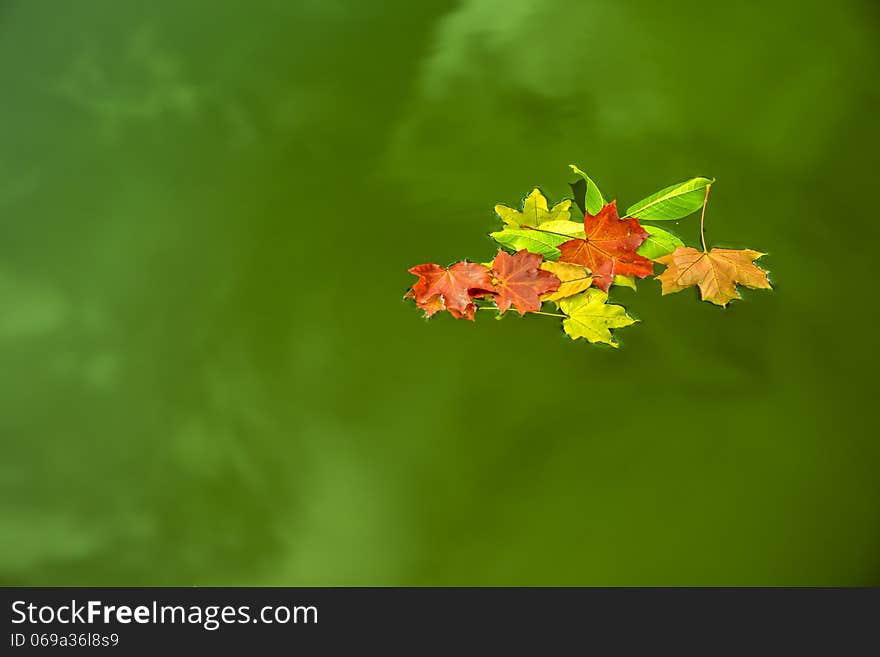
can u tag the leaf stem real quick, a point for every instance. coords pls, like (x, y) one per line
(549, 232)
(531, 312)
(703, 219)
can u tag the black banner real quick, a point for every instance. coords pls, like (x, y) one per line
(410, 621)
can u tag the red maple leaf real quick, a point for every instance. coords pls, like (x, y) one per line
(520, 281)
(609, 248)
(452, 288)
(435, 304)
(432, 305)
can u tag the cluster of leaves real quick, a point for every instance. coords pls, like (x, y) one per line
(572, 265)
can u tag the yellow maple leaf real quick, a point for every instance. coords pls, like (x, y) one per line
(715, 272)
(535, 211)
(575, 279)
(589, 316)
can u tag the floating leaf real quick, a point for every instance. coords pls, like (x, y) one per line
(567, 228)
(531, 240)
(590, 317)
(519, 281)
(574, 279)
(453, 288)
(625, 281)
(543, 240)
(609, 247)
(716, 273)
(673, 202)
(535, 211)
(431, 305)
(573, 264)
(593, 199)
(659, 242)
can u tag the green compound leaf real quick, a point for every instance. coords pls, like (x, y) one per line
(673, 202)
(589, 317)
(531, 240)
(534, 211)
(659, 243)
(542, 241)
(592, 200)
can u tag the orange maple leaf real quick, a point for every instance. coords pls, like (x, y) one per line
(519, 281)
(715, 272)
(430, 306)
(609, 248)
(452, 288)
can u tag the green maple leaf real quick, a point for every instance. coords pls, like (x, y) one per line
(589, 316)
(535, 211)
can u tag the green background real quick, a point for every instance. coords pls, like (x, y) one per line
(207, 211)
